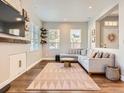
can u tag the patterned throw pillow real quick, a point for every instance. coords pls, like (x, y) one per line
(83, 52)
(99, 55)
(93, 55)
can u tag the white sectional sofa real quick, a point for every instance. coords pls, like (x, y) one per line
(96, 65)
(93, 65)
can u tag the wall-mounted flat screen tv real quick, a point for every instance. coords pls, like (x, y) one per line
(11, 21)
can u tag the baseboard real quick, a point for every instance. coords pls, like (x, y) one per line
(3, 84)
(3, 90)
(32, 65)
(48, 59)
(122, 77)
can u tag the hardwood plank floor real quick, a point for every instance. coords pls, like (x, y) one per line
(21, 83)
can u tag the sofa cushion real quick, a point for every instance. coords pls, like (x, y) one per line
(90, 52)
(112, 56)
(93, 55)
(99, 55)
(83, 52)
(78, 51)
(105, 55)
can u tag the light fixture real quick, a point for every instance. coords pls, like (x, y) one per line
(18, 19)
(90, 7)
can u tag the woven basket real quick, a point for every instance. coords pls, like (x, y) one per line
(112, 73)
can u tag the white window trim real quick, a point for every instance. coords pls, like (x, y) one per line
(33, 29)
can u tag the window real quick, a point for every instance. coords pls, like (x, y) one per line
(75, 37)
(35, 38)
(111, 23)
(54, 38)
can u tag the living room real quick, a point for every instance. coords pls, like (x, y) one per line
(61, 46)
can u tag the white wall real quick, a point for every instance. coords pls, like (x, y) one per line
(7, 49)
(106, 30)
(118, 52)
(65, 28)
(121, 36)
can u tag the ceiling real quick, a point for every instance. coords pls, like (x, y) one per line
(69, 10)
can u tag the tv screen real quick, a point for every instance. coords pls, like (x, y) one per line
(11, 21)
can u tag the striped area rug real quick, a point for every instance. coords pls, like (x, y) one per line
(56, 77)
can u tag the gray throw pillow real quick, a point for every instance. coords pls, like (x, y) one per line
(83, 52)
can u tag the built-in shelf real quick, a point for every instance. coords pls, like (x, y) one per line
(43, 36)
(11, 40)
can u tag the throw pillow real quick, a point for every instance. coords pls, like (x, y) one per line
(99, 55)
(93, 55)
(83, 52)
(105, 55)
(112, 56)
(79, 51)
(89, 52)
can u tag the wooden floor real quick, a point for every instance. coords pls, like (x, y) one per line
(20, 84)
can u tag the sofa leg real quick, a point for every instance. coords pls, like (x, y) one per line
(90, 73)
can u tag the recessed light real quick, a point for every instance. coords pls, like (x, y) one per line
(18, 19)
(90, 7)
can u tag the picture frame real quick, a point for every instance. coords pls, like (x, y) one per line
(93, 34)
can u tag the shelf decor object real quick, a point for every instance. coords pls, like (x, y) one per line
(26, 19)
(43, 36)
(111, 37)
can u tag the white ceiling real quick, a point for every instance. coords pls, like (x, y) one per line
(69, 10)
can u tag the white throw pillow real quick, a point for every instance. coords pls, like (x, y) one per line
(99, 55)
(105, 55)
(83, 52)
(89, 52)
(78, 51)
